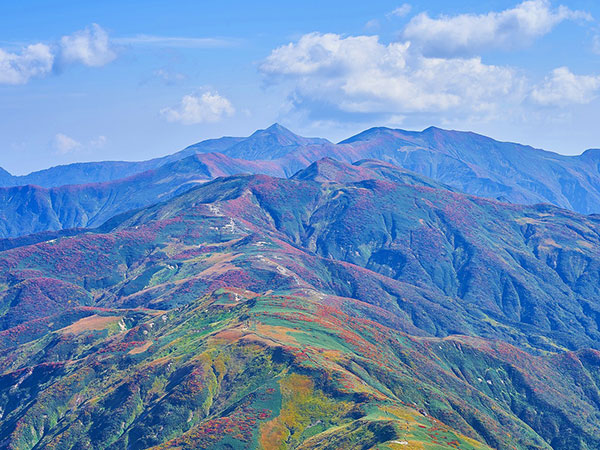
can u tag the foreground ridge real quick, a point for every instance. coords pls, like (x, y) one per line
(350, 306)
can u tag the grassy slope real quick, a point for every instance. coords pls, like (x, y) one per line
(372, 366)
(269, 371)
(232, 368)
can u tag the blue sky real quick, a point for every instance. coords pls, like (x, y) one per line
(131, 80)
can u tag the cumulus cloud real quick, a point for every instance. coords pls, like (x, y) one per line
(33, 61)
(401, 11)
(89, 47)
(562, 88)
(468, 34)
(169, 77)
(98, 142)
(65, 144)
(359, 74)
(194, 109)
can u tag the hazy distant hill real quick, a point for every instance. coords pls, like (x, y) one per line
(99, 172)
(482, 166)
(469, 162)
(31, 209)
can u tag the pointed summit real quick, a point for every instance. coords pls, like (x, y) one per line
(432, 129)
(331, 170)
(271, 143)
(278, 132)
(278, 128)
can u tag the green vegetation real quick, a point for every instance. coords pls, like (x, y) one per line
(254, 312)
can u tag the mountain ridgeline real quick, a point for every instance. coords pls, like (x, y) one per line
(467, 162)
(285, 292)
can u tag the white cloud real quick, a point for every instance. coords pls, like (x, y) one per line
(65, 144)
(174, 41)
(562, 88)
(98, 142)
(193, 109)
(468, 34)
(17, 68)
(90, 47)
(401, 11)
(358, 74)
(169, 77)
(372, 24)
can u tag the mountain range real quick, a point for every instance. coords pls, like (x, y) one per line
(287, 292)
(467, 162)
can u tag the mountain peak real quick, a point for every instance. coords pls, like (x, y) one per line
(328, 169)
(279, 131)
(432, 129)
(384, 133)
(271, 143)
(278, 128)
(331, 170)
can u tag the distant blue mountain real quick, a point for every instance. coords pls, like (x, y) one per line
(32, 209)
(272, 143)
(86, 194)
(99, 172)
(479, 165)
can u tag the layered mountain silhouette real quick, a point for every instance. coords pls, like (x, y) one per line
(31, 209)
(482, 166)
(284, 292)
(467, 162)
(322, 273)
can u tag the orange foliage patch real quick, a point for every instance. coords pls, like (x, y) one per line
(219, 264)
(91, 323)
(141, 349)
